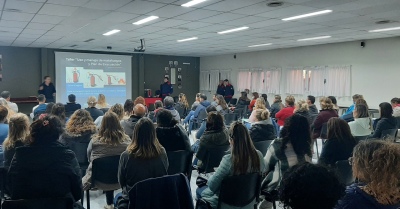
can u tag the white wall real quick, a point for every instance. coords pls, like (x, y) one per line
(375, 68)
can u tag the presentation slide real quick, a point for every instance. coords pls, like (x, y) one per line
(87, 75)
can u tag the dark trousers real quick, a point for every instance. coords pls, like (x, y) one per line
(109, 197)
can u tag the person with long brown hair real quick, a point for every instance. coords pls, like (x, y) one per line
(376, 165)
(144, 158)
(242, 159)
(101, 102)
(183, 102)
(221, 107)
(117, 109)
(361, 126)
(109, 141)
(339, 144)
(253, 100)
(17, 136)
(59, 111)
(79, 128)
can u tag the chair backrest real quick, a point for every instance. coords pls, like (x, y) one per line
(180, 109)
(344, 172)
(104, 109)
(105, 170)
(151, 107)
(202, 115)
(230, 118)
(324, 131)
(360, 138)
(233, 101)
(240, 190)
(179, 162)
(59, 203)
(239, 112)
(176, 99)
(389, 133)
(80, 150)
(213, 157)
(262, 146)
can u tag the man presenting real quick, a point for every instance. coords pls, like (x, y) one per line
(166, 88)
(47, 89)
(229, 91)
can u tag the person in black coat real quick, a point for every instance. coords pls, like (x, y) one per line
(44, 168)
(262, 129)
(71, 105)
(79, 129)
(340, 142)
(385, 122)
(47, 89)
(170, 134)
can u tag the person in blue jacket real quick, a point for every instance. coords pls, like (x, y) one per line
(201, 107)
(166, 88)
(229, 91)
(351, 108)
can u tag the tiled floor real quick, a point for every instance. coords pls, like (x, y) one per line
(98, 199)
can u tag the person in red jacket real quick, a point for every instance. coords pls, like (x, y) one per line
(253, 101)
(327, 112)
(287, 111)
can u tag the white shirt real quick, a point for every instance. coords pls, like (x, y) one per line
(13, 106)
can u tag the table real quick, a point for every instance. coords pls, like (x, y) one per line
(25, 100)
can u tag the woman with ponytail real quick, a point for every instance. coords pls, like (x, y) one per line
(170, 134)
(301, 108)
(262, 129)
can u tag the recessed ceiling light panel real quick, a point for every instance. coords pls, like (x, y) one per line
(307, 15)
(111, 32)
(258, 45)
(192, 3)
(187, 39)
(314, 38)
(233, 30)
(384, 29)
(145, 20)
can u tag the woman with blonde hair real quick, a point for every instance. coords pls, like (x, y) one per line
(94, 112)
(262, 129)
(11, 112)
(17, 136)
(183, 102)
(111, 140)
(117, 109)
(327, 112)
(258, 105)
(101, 102)
(287, 111)
(376, 164)
(79, 128)
(301, 107)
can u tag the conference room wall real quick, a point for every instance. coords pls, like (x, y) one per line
(375, 68)
(154, 71)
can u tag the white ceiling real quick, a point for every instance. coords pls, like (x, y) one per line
(63, 23)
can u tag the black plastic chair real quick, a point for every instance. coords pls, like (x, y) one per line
(80, 150)
(239, 112)
(232, 102)
(213, 158)
(262, 146)
(3, 181)
(389, 133)
(151, 107)
(344, 172)
(240, 190)
(180, 109)
(180, 162)
(230, 118)
(104, 110)
(197, 121)
(58, 203)
(104, 170)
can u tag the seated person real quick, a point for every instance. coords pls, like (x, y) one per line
(143, 159)
(59, 111)
(129, 124)
(4, 127)
(242, 159)
(215, 135)
(109, 141)
(203, 125)
(339, 144)
(117, 109)
(276, 105)
(243, 100)
(170, 134)
(94, 112)
(292, 148)
(302, 108)
(169, 105)
(128, 108)
(45, 168)
(327, 112)
(17, 137)
(221, 106)
(40, 108)
(7, 96)
(253, 101)
(376, 165)
(351, 108)
(311, 105)
(385, 122)
(71, 105)
(201, 107)
(350, 117)
(262, 129)
(361, 126)
(158, 105)
(287, 111)
(395, 102)
(79, 128)
(193, 108)
(304, 187)
(102, 103)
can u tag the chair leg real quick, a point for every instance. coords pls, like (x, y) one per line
(82, 196)
(274, 204)
(87, 199)
(316, 145)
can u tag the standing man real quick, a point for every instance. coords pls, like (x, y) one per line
(221, 88)
(47, 89)
(166, 88)
(229, 91)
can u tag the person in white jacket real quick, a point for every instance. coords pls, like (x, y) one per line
(361, 126)
(395, 102)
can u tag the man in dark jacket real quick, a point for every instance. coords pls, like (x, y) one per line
(129, 124)
(311, 106)
(229, 91)
(47, 89)
(221, 88)
(166, 88)
(200, 108)
(262, 131)
(71, 105)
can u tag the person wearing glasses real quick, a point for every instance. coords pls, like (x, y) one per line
(376, 165)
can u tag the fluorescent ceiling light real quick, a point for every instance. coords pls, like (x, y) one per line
(261, 45)
(145, 20)
(187, 39)
(307, 15)
(385, 29)
(233, 30)
(314, 38)
(111, 32)
(192, 3)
